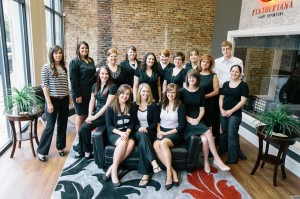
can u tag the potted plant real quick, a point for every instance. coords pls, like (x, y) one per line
(278, 120)
(22, 100)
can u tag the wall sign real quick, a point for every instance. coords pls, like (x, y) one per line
(265, 13)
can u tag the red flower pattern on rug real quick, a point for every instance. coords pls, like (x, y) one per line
(207, 188)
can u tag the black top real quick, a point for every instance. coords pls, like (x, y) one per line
(82, 76)
(162, 72)
(193, 101)
(125, 65)
(100, 99)
(118, 77)
(189, 66)
(207, 83)
(181, 117)
(152, 117)
(112, 118)
(150, 80)
(232, 96)
(178, 79)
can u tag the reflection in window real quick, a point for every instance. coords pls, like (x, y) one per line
(269, 62)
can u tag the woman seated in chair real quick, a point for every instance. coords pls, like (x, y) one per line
(169, 131)
(103, 94)
(193, 98)
(120, 121)
(147, 119)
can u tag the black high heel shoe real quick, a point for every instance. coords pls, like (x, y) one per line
(61, 153)
(168, 186)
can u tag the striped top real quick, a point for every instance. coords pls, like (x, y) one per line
(57, 86)
(123, 122)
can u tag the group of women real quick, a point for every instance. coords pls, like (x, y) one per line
(169, 103)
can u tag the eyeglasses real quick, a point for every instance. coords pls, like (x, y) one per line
(170, 92)
(191, 77)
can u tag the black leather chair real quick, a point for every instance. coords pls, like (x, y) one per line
(184, 157)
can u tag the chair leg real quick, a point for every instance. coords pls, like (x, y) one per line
(275, 175)
(283, 171)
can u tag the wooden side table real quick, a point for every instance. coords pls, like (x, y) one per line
(282, 142)
(28, 134)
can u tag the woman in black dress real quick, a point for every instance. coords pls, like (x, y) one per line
(130, 64)
(177, 74)
(193, 98)
(147, 119)
(149, 74)
(118, 74)
(233, 97)
(120, 120)
(82, 78)
(103, 93)
(210, 85)
(169, 131)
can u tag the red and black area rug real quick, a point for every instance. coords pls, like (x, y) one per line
(82, 179)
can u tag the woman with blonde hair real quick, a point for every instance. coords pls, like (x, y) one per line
(118, 74)
(147, 119)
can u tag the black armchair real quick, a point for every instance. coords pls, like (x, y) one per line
(184, 157)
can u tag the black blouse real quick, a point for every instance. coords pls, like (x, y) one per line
(82, 76)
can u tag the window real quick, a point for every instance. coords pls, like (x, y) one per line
(269, 62)
(14, 56)
(54, 23)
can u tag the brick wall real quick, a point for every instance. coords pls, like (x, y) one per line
(150, 25)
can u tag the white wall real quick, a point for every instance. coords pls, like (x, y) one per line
(259, 14)
(37, 38)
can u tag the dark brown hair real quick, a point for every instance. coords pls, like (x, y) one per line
(193, 73)
(53, 69)
(180, 54)
(116, 104)
(165, 100)
(78, 50)
(144, 63)
(98, 81)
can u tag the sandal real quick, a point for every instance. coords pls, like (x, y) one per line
(157, 169)
(144, 183)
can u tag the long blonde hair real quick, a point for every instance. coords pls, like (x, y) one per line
(150, 99)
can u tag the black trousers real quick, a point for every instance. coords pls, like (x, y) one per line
(61, 114)
(146, 151)
(85, 134)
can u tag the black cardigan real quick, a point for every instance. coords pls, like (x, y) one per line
(111, 119)
(181, 117)
(152, 117)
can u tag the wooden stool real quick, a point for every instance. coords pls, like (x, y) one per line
(282, 142)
